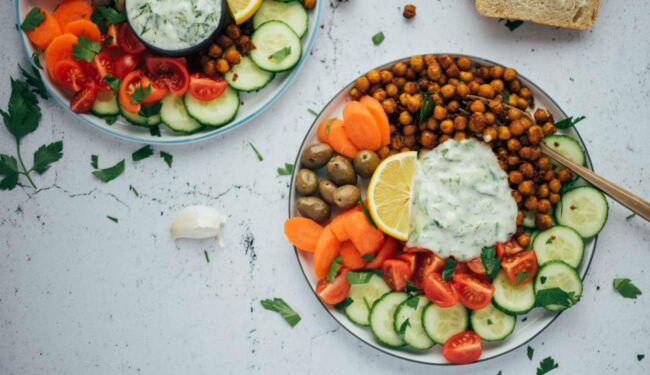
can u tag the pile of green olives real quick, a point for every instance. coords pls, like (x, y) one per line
(337, 185)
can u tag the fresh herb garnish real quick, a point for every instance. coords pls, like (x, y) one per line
(555, 296)
(542, 280)
(278, 305)
(630, 217)
(134, 191)
(491, 263)
(569, 122)
(113, 82)
(207, 258)
(403, 327)
(489, 322)
(35, 81)
(287, 170)
(85, 49)
(512, 25)
(410, 287)
(113, 219)
(365, 211)
(345, 303)
(313, 112)
(506, 96)
(148, 110)
(529, 352)
(36, 60)
(328, 126)
(279, 55)
(626, 288)
(94, 161)
(167, 157)
(45, 155)
(34, 19)
(378, 38)
(413, 302)
(427, 107)
(335, 266)
(358, 277)
(448, 268)
(110, 173)
(521, 276)
(639, 357)
(546, 365)
(141, 93)
(103, 16)
(257, 153)
(368, 257)
(142, 153)
(154, 131)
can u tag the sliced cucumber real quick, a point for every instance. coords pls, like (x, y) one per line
(138, 120)
(440, 323)
(567, 147)
(557, 274)
(584, 209)
(492, 324)
(409, 315)
(559, 243)
(291, 13)
(512, 298)
(275, 37)
(217, 112)
(246, 76)
(363, 297)
(174, 115)
(105, 105)
(382, 316)
(529, 219)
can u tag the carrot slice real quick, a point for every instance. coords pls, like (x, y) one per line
(70, 11)
(324, 130)
(59, 49)
(338, 224)
(85, 28)
(380, 116)
(351, 257)
(327, 248)
(388, 250)
(363, 235)
(303, 233)
(338, 139)
(361, 127)
(43, 34)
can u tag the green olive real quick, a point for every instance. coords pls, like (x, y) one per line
(365, 163)
(313, 208)
(316, 155)
(306, 181)
(346, 196)
(326, 189)
(340, 171)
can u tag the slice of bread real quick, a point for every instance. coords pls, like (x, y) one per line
(573, 14)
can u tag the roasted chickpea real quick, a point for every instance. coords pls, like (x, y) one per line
(215, 51)
(477, 106)
(477, 122)
(379, 94)
(483, 73)
(355, 94)
(513, 100)
(543, 163)
(489, 134)
(362, 84)
(408, 129)
(464, 63)
(514, 86)
(513, 160)
(565, 175)
(549, 175)
(405, 118)
(513, 114)
(232, 56)
(497, 85)
(460, 122)
(462, 90)
(554, 198)
(399, 69)
(543, 221)
(443, 138)
(490, 118)
(526, 152)
(496, 72)
(541, 116)
(410, 74)
(383, 152)
(522, 103)
(233, 31)
(542, 191)
(389, 106)
(410, 88)
(527, 169)
(515, 177)
(427, 139)
(434, 71)
(513, 145)
(544, 206)
(403, 98)
(503, 133)
(520, 215)
(386, 76)
(439, 112)
(396, 142)
(445, 61)
(447, 126)
(224, 41)
(525, 93)
(555, 185)
(526, 188)
(447, 91)
(496, 106)
(399, 81)
(537, 153)
(417, 63)
(464, 76)
(509, 74)
(524, 240)
(531, 203)
(548, 128)
(391, 90)
(516, 128)
(486, 91)
(210, 67)
(473, 87)
(409, 141)
(459, 136)
(453, 106)
(222, 66)
(373, 76)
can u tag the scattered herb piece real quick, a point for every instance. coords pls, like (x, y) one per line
(626, 288)
(546, 365)
(113, 82)
(110, 173)
(427, 107)
(335, 266)
(148, 110)
(279, 55)
(313, 112)
(345, 303)
(134, 191)
(368, 257)
(358, 277)
(512, 25)
(94, 161)
(257, 153)
(154, 131)
(555, 296)
(328, 126)
(448, 268)
(403, 327)
(410, 287)
(207, 257)
(86, 49)
(365, 211)
(499, 373)
(34, 19)
(167, 157)
(45, 155)
(35, 81)
(142, 153)
(491, 263)
(413, 302)
(378, 38)
(569, 122)
(36, 60)
(549, 241)
(529, 352)
(287, 170)
(103, 16)
(542, 280)
(489, 322)
(506, 96)
(630, 217)
(521, 276)
(141, 93)
(113, 219)
(110, 120)
(278, 305)
(639, 357)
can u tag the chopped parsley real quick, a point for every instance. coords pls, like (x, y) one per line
(358, 277)
(134, 191)
(427, 107)
(313, 112)
(35, 81)
(142, 153)
(529, 352)
(94, 161)
(630, 217)
(555, 296)
(257, 153)
(640, 357)
(569, 122)
(512, 25)
(491, 263)
(521, 276)
(36, 60)
(86, 49)
(278, 305)
(207, 257)
(113, 82)
(410, 287)
(167, 157)
(328, 126)
(34, 19)
(287, 170)
(403, 327)
(546, 365)
(110, 173)
(365, 211)
(141, 93)
(345, 303)
(378, 38)
(448, 268)
(113, 219)
(626, 288)
(279, 55)
(335, 266)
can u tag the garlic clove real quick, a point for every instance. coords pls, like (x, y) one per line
(198, 222)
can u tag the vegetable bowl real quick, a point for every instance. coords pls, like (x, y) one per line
(382, 277)
(173, 99)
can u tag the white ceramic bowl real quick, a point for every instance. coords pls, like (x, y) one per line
(536, 320)
(254, 102)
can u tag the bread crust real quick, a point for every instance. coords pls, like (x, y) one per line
(513, 9)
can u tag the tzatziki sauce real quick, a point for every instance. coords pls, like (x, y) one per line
(174, 24)
(461, 201)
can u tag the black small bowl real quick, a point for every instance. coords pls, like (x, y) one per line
(224, 20)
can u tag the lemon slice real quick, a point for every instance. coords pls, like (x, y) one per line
(242, 10)
(389, 194)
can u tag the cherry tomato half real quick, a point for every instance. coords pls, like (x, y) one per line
(476, 265)
(111, 37)
(100, 67)
(472, 292)
(83, 100)
(70, 75)
(335, 292)
(464, 347)
(511, 247)
(410, 259)
(203, 87)
(438, 291)
(396, 273)
(425, 263)
(128, 41)
(130, 84)
(169, 73)
(124, 64)
(389, 249)
(523, 263)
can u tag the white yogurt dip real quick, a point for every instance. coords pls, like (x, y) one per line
(461, 201)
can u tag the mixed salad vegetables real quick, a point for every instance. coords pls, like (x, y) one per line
(92, 53)
(411, 297)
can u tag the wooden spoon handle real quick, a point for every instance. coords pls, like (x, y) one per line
(622, 196)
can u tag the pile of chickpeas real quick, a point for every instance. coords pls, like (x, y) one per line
(228, 49)
(488, 103)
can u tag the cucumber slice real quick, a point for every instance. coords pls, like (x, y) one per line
(105, 105)
(512, 298)
(414, 334)
(557, 274)
(273, 37)
(382, 316)
(363, 297)
(291, 13)
(529, 219)
(174, 115)
(246, 76)
(559, 243)
(584, 209)
(138, 120)
(217, 112)
(440, 323)
(567, 147)
(492, 324)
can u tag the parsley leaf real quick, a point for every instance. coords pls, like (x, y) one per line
(35, 81)
(512, 25)
(529, 352)
(134, 191)
(378, 38)
(167, 157)
(345, 303)
(113, 219)
(358, 277)
(286, 171)
(410, 287)
(46, 155)
(328, 126)
(148, 110)
(630, 217)
(368, 257)
(278, 305)
(335, 266)
(546, 365)
(569, 122)
(555, 296)
(140, 94)
(639, 357)
(403, 327)
(33, 19)
(23, 112)
(85, 49)
(521, 276)
(257, 153)
(448, 269)
(427, 107)
(103, 16)
(110, 120)
(110, 173)
(313, 112)
(491, 263)
(142, 153)
(154, 131)
(207, 258)
(36, 60)
(626, 288)
(113, 82)
(279, 55)
(9, 172)
(413, 302)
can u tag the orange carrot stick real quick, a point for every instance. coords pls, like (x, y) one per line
(44, 33)
(324, 130)
(327, 248)
(303, 233)
(59, 49)
(365, 237)
(378, 113)
(351, 257)
(338, 139)
(388, 250)
(361, 127)
(85, 28)
(70, 11)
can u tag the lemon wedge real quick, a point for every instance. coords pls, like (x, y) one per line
(389, 194)
(242, 10)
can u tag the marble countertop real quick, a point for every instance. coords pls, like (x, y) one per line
(80, 294)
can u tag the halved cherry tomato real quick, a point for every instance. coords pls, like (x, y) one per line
(156, 95)
(438, 291)
(464, 347)
(69, 74)
(389, 249)
(130, 84)
(334, 292)
(83, 100)
(111, 37)
(410, 259)
(476, 265)
(511, 247)
(472, 292)
(100, 67)
(203, 87)
(520, 263)
(396, 273)
(170, 73)
(124, 64)
(425, 263)
(128, 41)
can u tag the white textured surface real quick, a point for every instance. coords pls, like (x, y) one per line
(80, 294)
